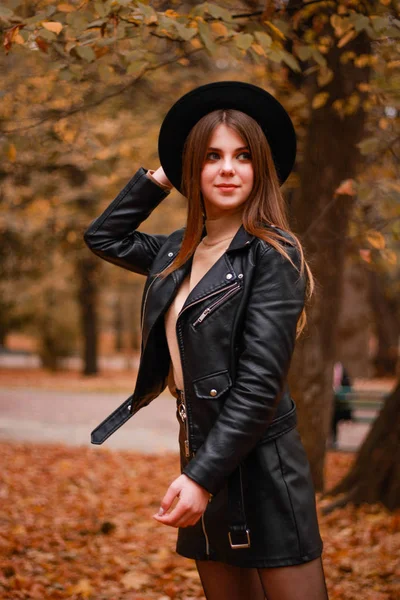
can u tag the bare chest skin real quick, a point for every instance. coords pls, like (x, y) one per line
(203, 259)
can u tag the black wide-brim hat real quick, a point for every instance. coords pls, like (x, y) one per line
(250, 99)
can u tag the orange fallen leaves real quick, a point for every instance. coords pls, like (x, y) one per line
(76, 524)
(12, 35)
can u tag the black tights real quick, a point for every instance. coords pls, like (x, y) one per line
(298, 582)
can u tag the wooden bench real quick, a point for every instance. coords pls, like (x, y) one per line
(370, 401)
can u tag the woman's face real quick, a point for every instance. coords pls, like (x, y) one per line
(227, 176)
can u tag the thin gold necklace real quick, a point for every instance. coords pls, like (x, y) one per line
(215, 243)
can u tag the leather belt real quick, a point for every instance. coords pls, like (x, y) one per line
(110, 424)
(239, 533)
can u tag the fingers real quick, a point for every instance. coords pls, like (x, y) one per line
(193, 500)
(181, 516)
(172, 493)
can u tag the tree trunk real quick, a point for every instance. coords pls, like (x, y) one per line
(375, 475)
(4, 322)
(320, 217)
(386, 326)
(87, 269)
(355, 325)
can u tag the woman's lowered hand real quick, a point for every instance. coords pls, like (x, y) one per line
(192, 502)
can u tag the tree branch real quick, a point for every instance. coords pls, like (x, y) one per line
(95, 103)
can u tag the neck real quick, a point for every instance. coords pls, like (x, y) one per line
(223, 226)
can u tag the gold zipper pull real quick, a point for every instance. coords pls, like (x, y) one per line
(187, 451)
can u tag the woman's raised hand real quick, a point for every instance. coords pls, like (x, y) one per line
(192, 503)
(161, 177)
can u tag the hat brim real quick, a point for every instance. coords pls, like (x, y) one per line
(250, 99)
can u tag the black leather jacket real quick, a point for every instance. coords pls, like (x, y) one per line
(236, 334)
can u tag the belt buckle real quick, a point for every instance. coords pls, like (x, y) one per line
(235, 546)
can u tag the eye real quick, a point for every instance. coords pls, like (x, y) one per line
(244, 155)
(212, 156)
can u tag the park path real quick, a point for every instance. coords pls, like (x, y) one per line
(68, 417)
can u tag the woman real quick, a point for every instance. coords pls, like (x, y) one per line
(223, 301)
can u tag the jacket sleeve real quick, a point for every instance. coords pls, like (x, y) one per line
(113, 235)
(269, 332)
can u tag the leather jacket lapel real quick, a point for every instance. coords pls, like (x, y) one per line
(161, 291)
(159, 295)
(217, 278)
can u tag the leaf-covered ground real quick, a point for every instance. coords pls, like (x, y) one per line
(76, 523)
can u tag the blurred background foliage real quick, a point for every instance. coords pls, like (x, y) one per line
(85, 88)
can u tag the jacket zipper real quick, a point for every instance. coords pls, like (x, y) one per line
(182, 406)
(183, 412)
(207, 311)
(205, 535)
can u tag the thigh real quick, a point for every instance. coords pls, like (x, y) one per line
(226, 582)
(297, 582)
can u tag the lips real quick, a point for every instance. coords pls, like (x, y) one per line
(227, 186)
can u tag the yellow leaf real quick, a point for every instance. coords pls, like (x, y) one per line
(195, 42)
(346, 187)
(345, 57)
(171, 14)
(383, 123)
(336, 22)
(53, 26)
(389, 256)
(12, 152)
(18, 39)
(275, 29)
(324, 76)
(219, 28)
(192, 574)
(134, 581)
(65, 7)
(258, 49)
(340, 24)
(83, 588)
(346, 38)
(320, 99)
(376, 239)
(362, 60)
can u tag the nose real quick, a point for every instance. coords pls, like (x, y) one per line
(227, 167)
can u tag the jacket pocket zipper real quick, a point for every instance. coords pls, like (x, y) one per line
(207, 311)
(183, 416)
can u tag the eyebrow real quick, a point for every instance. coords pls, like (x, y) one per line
(236, 150)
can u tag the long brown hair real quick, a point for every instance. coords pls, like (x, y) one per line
(265, 204)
